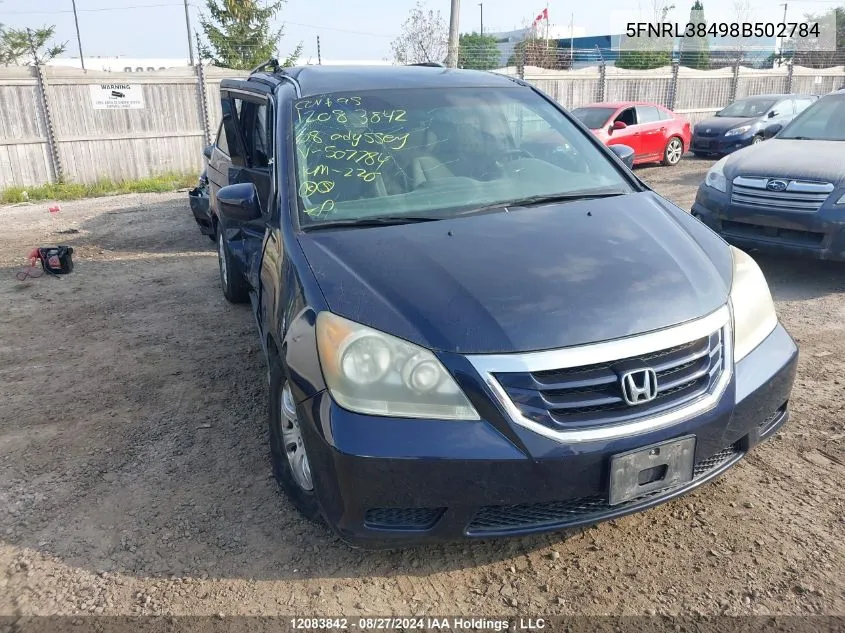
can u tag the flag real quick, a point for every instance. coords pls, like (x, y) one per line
(543, 16)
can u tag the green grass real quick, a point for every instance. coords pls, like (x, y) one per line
(103, 187)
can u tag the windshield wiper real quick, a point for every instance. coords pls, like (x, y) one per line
(537, 200)
(384, 220)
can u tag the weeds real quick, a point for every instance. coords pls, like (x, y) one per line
(103, 187)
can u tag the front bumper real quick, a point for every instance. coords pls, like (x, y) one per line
(720, 144)
(201, 209)
(819, 235)
(384, 482)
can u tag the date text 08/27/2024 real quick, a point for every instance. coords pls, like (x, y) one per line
(789, 30)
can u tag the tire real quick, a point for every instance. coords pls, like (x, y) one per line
(757, 139)
(232, 280)
(673, 152)
(299, 489)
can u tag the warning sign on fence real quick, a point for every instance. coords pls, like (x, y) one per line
(117, 97)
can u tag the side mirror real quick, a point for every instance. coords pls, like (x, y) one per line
(773, 114)
(624, 152)
(239, 202)
(207, 151)
(619, 125)
(772, 130)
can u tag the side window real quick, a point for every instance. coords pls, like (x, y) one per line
(665, 115)
(254, 123)
(647, 114)
(628, 117)
(802, 103)
(260, 134)
(220, 141)
(232, 108)
(784, 107)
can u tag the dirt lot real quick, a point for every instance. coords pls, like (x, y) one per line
(135, 477)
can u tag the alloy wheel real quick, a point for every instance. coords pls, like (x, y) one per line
(673, 151)
(221, 255)
(292, 438)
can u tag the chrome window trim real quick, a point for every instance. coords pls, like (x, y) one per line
(489, 364)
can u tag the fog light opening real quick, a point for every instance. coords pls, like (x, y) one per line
(772, 421)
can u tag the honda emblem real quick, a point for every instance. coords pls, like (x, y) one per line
(639, 386)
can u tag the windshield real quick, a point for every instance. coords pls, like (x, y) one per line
(438, 153)
(747, 108)
(593, 118)
(822, 121)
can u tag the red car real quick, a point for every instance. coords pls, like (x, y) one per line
(655, 133)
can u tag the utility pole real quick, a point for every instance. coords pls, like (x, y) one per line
(319, 58)
(481, 11)
(452, 55)
(190, 39)
(783, 37)
(78, 38)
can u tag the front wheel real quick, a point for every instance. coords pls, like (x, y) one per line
(673, 151)
(757, 139)
(231, 279)
(291, 465)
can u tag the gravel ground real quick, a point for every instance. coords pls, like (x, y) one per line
(135, 476)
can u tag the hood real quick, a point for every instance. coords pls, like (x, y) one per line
(723, 124)
(531, 279)
(785, 158)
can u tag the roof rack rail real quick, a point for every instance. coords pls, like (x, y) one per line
(433, 64)
(271, 64)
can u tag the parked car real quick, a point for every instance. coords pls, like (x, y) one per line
(656, 133)
(788, 195)
(199, 201)
(465, 340)
(742, 123)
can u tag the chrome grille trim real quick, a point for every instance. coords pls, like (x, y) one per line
(487, 365)
(799, 195)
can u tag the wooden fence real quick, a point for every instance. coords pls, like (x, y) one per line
(67, 124)
(52, 129)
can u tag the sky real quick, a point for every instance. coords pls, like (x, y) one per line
(348, 29)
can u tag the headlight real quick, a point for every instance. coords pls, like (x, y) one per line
(742, 129)
(368, 371)
(716, 176)
(754, 310)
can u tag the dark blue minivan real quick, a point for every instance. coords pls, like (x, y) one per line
(478, 322)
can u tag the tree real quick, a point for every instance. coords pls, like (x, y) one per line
(478, 52)
(695, 52)
(424, 38)
(643, 59)
(809, 53)
(645, 53)
(239, 33)
(31, 45)
(540, 53)
(742, 15)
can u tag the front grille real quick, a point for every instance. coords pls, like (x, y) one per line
(798, 196)
(787, 236)
(591, 395)
(402, 518)
(559, 514)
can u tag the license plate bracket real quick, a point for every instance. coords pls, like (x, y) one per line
(643, 470)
